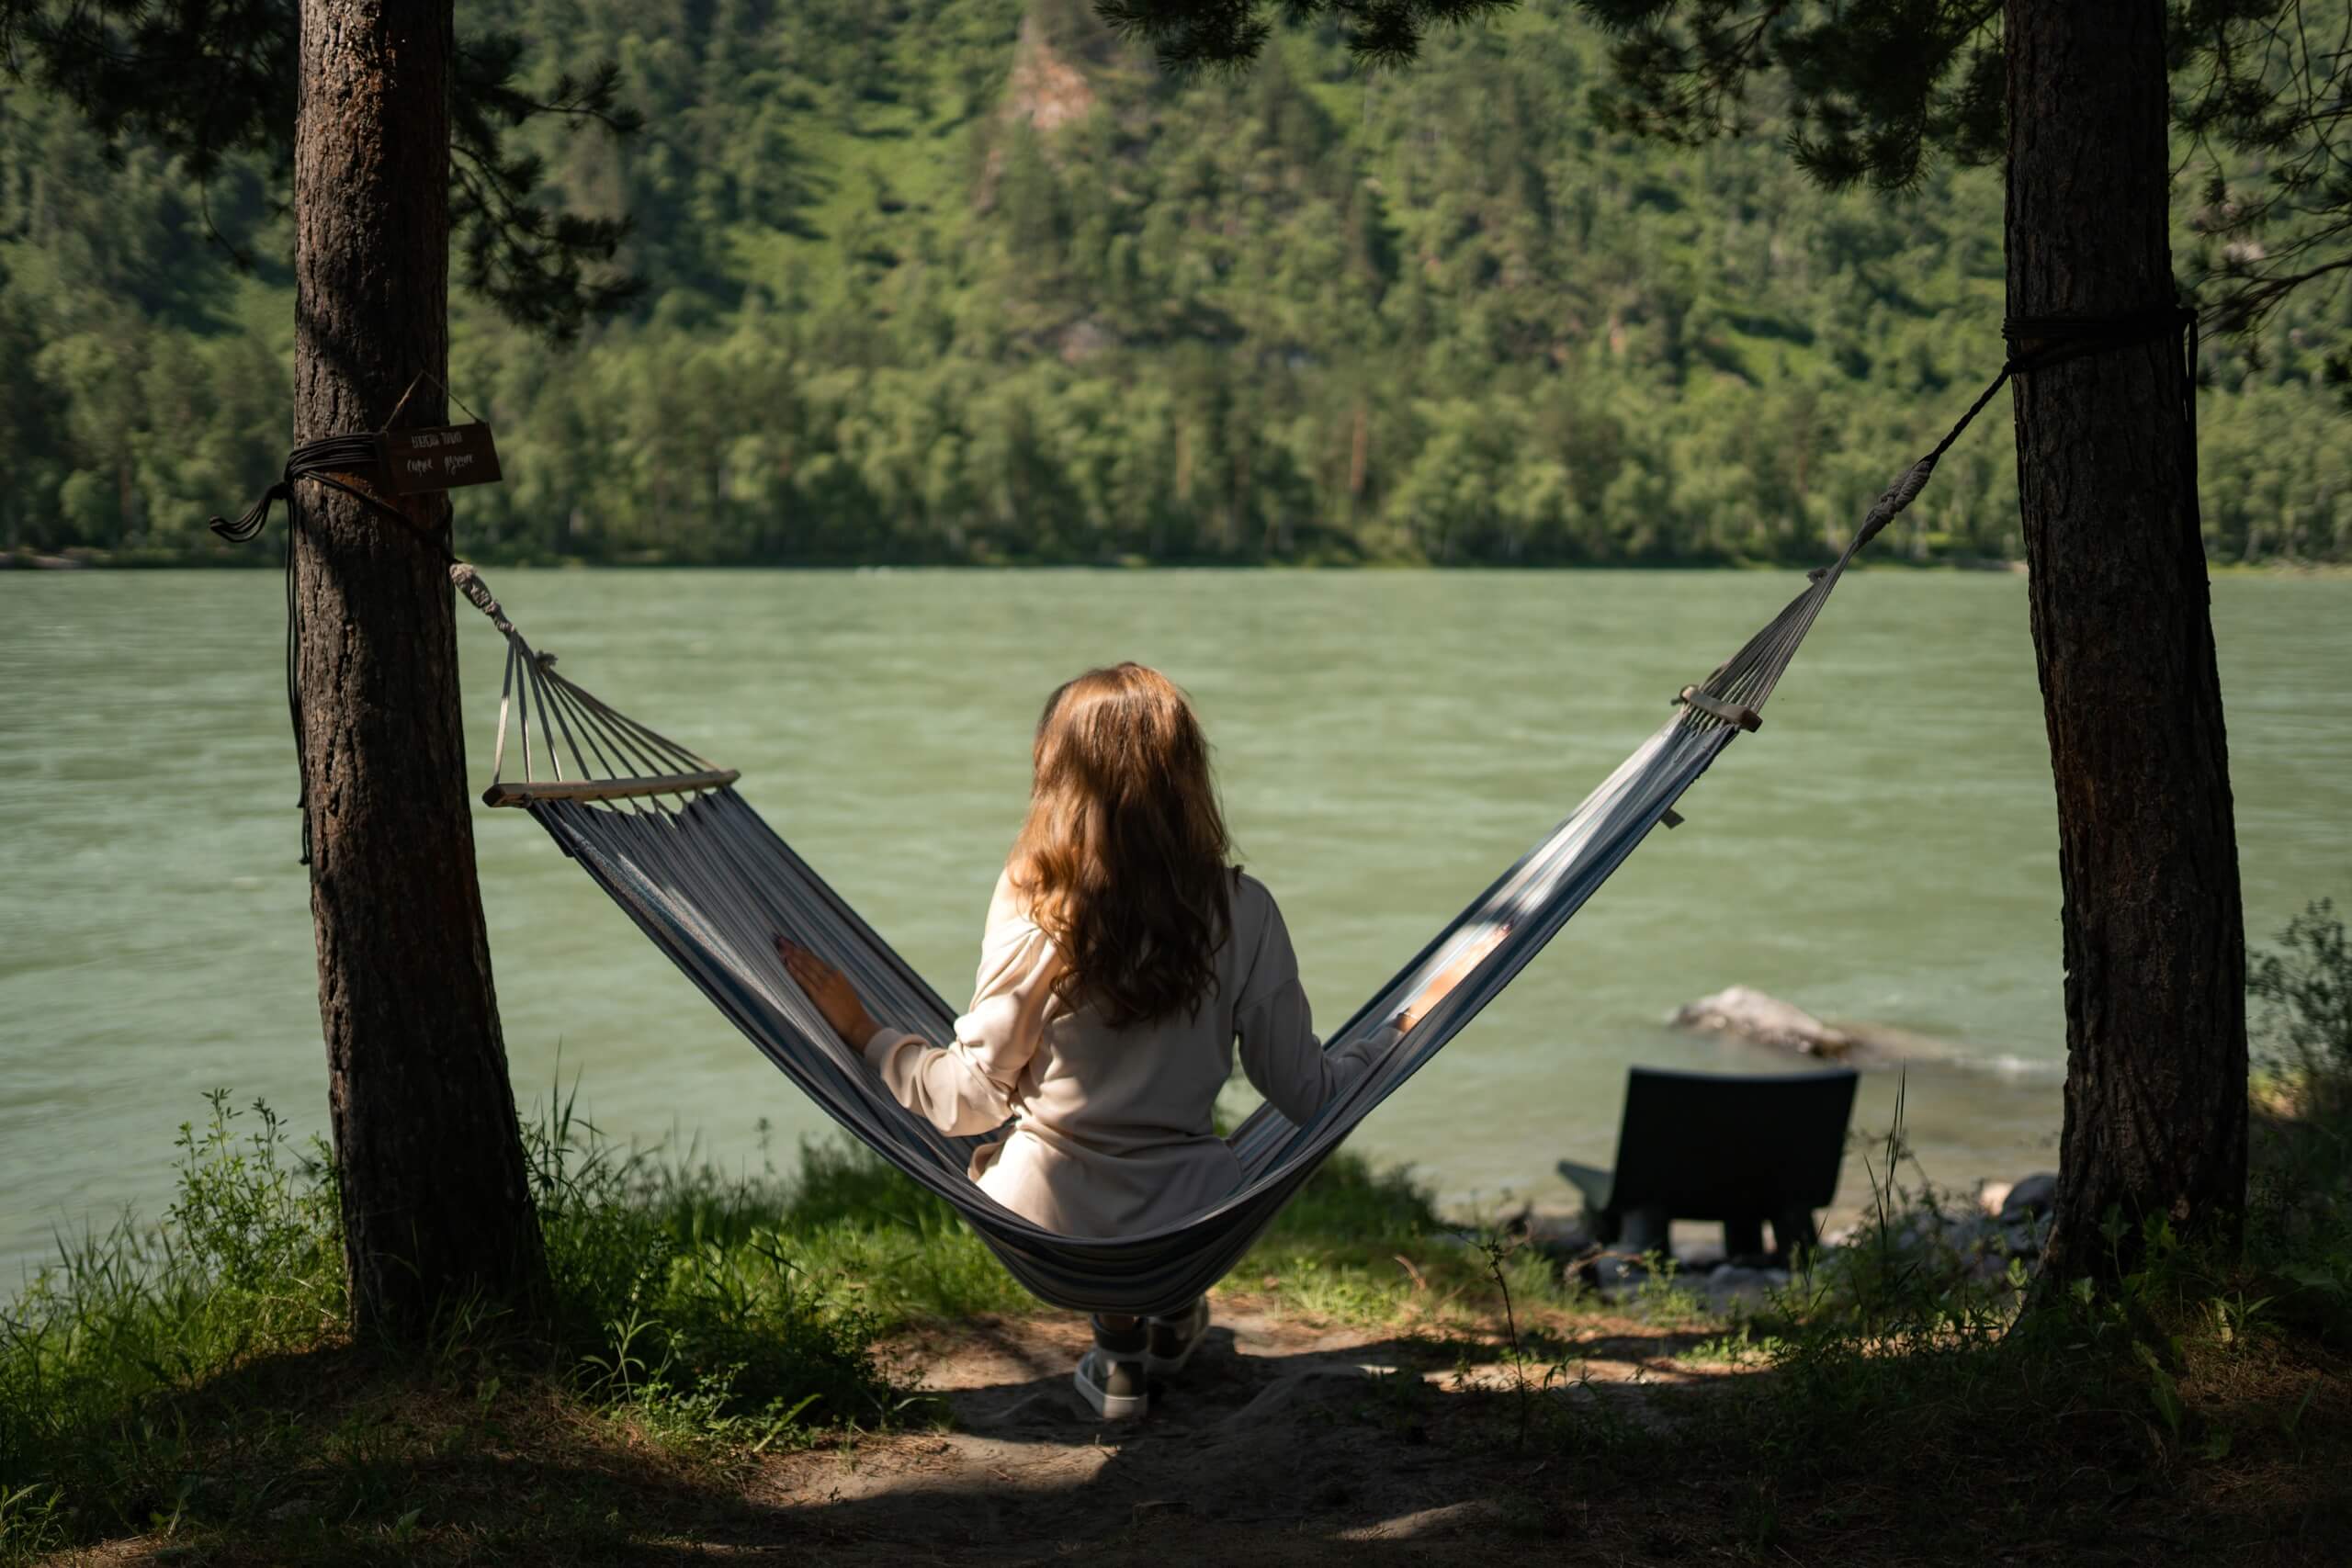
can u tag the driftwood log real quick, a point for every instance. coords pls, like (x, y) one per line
(1752, 1015)
(1768, 1021)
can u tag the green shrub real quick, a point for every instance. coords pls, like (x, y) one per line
(684, 1300)
(2298, 1210)
(2303, 1007)
(681, 1291)
(248, 1260)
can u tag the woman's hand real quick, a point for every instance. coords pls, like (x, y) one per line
(1440, 985)
(832, 993)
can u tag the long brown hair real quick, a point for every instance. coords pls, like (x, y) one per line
(1121, 861)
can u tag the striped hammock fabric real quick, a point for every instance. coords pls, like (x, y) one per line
(664, 834)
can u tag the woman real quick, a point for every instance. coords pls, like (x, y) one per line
(1122, 957)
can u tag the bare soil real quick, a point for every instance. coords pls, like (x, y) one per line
(1286, 1440)
(1281, 1441)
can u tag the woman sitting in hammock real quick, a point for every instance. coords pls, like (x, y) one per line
(1121, 959)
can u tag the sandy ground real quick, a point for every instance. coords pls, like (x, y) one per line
(1279, 1442)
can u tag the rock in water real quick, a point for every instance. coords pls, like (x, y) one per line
(1768, 1021)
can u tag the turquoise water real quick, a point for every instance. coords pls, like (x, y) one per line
(1884, 850)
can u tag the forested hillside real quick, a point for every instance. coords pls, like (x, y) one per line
(972, 282)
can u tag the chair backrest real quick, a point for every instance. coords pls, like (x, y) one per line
(1718, 1145)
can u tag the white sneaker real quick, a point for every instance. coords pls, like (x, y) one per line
(1117, 1390)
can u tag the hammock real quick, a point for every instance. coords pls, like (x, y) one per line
(663, 833)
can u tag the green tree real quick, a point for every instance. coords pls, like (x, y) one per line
(391, 139)
(1344, 250)
(2153, 937)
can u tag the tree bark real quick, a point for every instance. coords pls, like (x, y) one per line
(435, 1200)
(2156, 1105)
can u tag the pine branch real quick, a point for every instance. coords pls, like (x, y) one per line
(206, 82)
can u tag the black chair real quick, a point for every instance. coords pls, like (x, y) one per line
(1735, 1147)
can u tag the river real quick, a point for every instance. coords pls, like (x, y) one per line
(1885, 849)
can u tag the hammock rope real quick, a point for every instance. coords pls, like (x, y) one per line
(661, 829)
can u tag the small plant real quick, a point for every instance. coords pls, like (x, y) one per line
(1663, 1297)
(1497, 1247)
(1743, 1346)
(2302, 1001)
(2299, 1211)
(29, 1525)
(1585, 1418)
(2234, 1319)
(243, 1212)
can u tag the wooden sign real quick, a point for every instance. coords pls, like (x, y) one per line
(439, 457)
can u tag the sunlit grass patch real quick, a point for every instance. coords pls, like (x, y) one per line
(1366, 1246)
(248, 1263)
(155, 1379)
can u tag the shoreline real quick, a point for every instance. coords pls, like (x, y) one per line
(85, 559)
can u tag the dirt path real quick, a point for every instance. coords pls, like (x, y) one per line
(1285, 1441)
(1281, 1442)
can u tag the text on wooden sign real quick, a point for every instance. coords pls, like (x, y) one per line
(439, 457)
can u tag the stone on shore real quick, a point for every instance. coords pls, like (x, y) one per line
(1728, 1287)
(2034, 1195)
(2004, 1226)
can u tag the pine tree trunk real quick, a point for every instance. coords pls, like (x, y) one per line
(2156, 1106)
(435, 1200)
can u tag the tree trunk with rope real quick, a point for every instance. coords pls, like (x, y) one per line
(2156, 1101)
(436, 1204)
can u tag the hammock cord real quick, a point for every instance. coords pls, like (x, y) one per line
(321, 462)
(712, 884)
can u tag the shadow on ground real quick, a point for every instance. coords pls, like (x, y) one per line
(1280, 1443)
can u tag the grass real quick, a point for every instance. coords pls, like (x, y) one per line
(193, 1385)
(171, 1380)
(2180, 1419)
